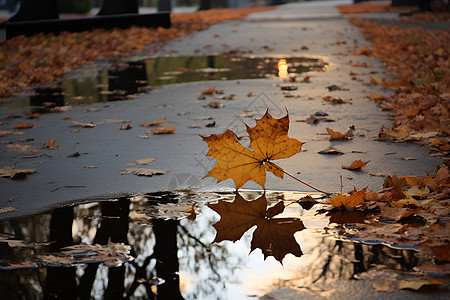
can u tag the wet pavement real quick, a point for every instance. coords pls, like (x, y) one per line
(63, 179)
(91, 129)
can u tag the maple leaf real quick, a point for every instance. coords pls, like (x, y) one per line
(274, 236)
(268, 141)
(348, 202)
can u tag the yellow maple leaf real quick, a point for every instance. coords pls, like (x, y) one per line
(268, 141)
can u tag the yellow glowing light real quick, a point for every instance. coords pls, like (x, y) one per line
(282, 69)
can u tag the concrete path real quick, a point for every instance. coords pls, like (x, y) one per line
(280, 33)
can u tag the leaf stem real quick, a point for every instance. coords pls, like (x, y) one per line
(299, 180)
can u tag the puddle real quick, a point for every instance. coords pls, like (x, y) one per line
(125, 80)
(158, 246)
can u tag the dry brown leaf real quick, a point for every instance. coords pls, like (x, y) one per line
(143, 172)
(163, 130)
(20, 148)
(350, 201)
(377, 97)
(23, 125)
(336, 135)
(375, 80)
(76, 154)
(356, 165)
(417, 283)
(156, 123)
(335, 100)
(12, 172)
(209, 91)
(7, 209)
(331, 150)
(395, 213)
(84, 125)
(50, 144)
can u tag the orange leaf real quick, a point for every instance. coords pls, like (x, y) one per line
(350, 201)
(163, 130)
(209, 91)
(23, 125)
(377, 97)
(356, 165)
(269, 141)
(156, 123)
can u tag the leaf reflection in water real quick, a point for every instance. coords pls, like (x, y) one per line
(274, 236)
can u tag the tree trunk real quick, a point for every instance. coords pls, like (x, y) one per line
(116, 7)
(405, 2)
(204, 4)
(36, 10)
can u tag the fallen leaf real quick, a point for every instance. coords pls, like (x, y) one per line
(356, 165)
(20, 148)
(229, 97)
(214, 104)
(375, 80)
(336, 135)
(6, 132)
(125, 127)
(414, 181)
(202, 118)
(331, 150)
(76, 154)
(143, 172)
(23, 125)
(22, 265)
(7, 209)
(395, 213)
(156, 123)
(350, 201)
(162, 130)
(269, 141)
(50, 144)
(209, 91)
(13, 173)
(417, 283)
(274, 236)
(335, 100)
(377, 97)
(84, 125)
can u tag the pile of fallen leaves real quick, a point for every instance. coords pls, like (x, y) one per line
(42, 58)
(372, 7)
(418, 61)
(409, 210)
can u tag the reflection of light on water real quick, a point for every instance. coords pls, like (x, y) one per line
(282, 69)
(271, 275)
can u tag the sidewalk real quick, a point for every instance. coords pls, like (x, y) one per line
(280, 33)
